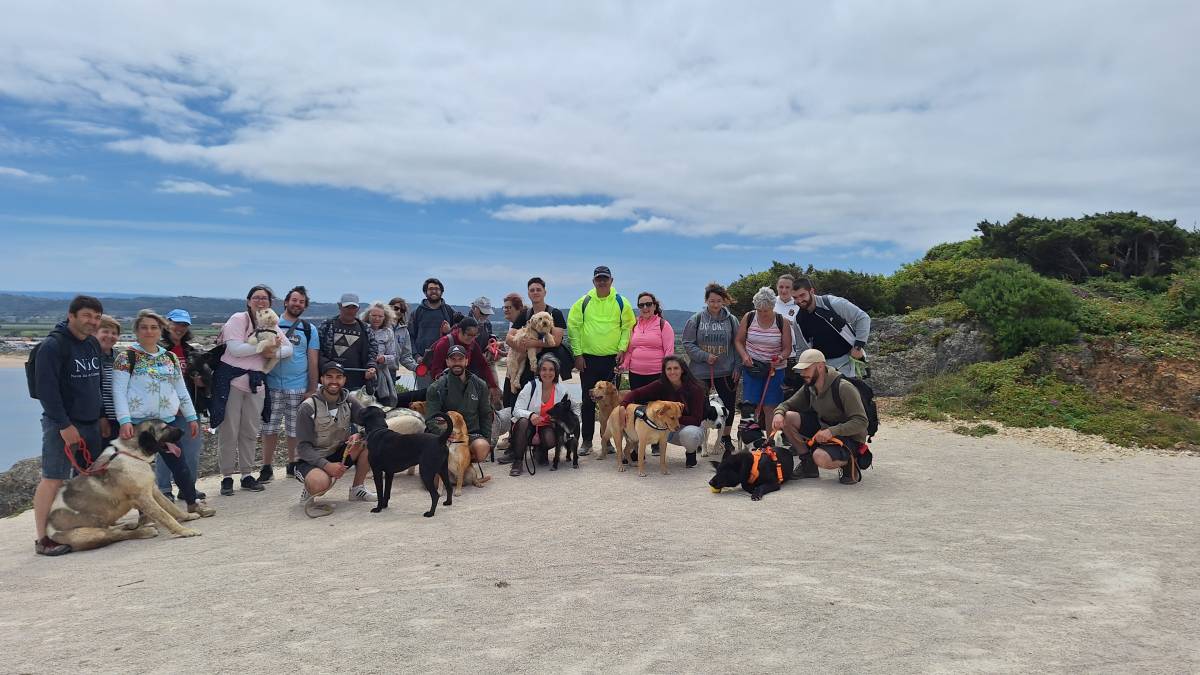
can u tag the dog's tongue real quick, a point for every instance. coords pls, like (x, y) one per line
(173, 449)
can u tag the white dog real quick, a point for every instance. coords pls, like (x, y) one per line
(714, 420)
(539, 325)
(264, 337)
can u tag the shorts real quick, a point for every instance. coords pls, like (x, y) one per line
(284, 403)
(302, 467)
(55, 464)
(752, 388)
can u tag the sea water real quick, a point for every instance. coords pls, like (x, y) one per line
(20, 428)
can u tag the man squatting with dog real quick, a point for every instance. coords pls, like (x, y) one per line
(325, 447)
(467, 394)
(821, 433)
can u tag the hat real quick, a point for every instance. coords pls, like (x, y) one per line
(457, 350)
(332, 365)
(602, 271)
(348, 299)
(809, 357)
(483, 305)
(179, 316)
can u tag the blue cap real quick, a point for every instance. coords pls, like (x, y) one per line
(179, 316)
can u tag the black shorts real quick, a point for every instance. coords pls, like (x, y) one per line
(839, 453)
(302, 467)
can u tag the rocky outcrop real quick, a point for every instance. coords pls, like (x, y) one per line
(17, 485)
(1109, 366)
(903, 352)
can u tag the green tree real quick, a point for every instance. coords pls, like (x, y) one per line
(1023, 309)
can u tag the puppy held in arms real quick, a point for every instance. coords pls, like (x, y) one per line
(86, 509)
(264, 336)
(539, 326)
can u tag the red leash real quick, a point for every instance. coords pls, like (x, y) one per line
(87, 457)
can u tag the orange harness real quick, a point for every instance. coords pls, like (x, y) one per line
(755, 456)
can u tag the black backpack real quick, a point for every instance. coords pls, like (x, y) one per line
(31, 364)
(868, 400)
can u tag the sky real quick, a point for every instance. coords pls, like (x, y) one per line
(200, 148)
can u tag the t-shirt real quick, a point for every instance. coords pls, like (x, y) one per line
(790, 312)
(560, 321)
(822, 336)
(292, 374)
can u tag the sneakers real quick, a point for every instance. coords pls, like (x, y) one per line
(47, 546)
(691, 459)
(654, 450)
(227, 486)
(248, 483)
(848, 474)
(585, 448)
(808, 468)
(296, 473)
(202, 509)
(266, 474)
(304, 495)
(360, 493)
(170, 497)
(291, 468)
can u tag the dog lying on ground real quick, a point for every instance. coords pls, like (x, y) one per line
(655, 421)
(418, 406)
(538, 326)
(390, 452)
(758, 472)
(607, 397)
(566, 432)
(460, 454)
(85, 510)
(714, 420)
(264, 336)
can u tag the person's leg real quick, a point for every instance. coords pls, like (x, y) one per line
(637, 381)
(587, 409)
(55, 470)
(162, 473)
(270, 433)
(43, 498)
(227, 435)
(179, 471)
(316, 481)
(727, 390)
(248, 427)
(690, 437)
(518, 440)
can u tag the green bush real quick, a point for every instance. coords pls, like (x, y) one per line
(871, 292)
(1182, 307)
(1105, 316)
(930, 282)
(957, 250)
(1023, 309)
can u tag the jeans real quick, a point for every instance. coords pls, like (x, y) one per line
(190, 448)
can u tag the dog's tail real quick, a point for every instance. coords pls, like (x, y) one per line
(447, 422)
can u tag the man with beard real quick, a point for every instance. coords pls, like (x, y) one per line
(467, 334)
(344, 338)
(467, 394)
(325, 446)
(834, 326)
(813, 413)
(428, 323)
(290, 381)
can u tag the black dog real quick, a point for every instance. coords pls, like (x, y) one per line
(735, 470)
(390, 452)
(566, 432)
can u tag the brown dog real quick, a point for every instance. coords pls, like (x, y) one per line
(662, 417)
(606, 397)
(460, 454)
(419, 406)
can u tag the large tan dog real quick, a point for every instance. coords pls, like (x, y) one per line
(538, 326)
(460, 454)
(264, 336)
(662, 417)
(607, 397)
(86, 509)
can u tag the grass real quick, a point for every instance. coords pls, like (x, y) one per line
(1013, 393)
(977, 431)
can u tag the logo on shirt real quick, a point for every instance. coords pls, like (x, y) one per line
(343, 342)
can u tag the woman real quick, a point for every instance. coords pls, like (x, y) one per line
(708, 339)
(552, 343)
(240, 392)
(513, 307)
(107, 336)
(532, 413)
(652, 340)
(379, 319)
(764, 345)
(178, 341)
(674, 383)
(404, 355)
(148, 385)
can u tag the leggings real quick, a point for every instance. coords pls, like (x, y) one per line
(522, 435)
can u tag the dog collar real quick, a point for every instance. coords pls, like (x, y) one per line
(130, 454)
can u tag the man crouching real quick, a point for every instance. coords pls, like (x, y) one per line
(324, 445)
(821, 433)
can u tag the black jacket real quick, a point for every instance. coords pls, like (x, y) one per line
(68, 378)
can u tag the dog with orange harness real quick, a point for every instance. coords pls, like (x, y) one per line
(758, 471)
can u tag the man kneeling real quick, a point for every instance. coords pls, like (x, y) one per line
(325, 447)
(812, 414)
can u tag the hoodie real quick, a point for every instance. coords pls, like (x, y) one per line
(704, 335)
(425, 325)
(68, 378)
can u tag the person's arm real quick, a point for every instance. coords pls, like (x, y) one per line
(235, 344)
(389, 351)
(120, 385)
(667, 333)
(372, 349)
(404, 350)
(437, 357)
(797, 403)
(306, 436)
(739, 343)
(523, 406)
(314, 353)
(785, 337)
(856, 414)
(433, 400)
(643, 395)
(627, 319)
(691, 345)
(575, 327)
(485, 417)
(414, 320)
(48, 386)
(481, 367)
(859, 321)
(693, 413)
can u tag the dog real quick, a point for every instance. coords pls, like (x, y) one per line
(405, 421)
(607, 397)
(714, 420)
(460, 454)
(566, 432)
(750, 434)
(653, 425)
(85, 510)
(418, 406)
(757, 471)
(390, 452)
(538, 326)
(264, 336)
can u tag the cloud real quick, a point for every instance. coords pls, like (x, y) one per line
(21, 174)
(903, 124)
(83, 128)
(240, 210)
(735, 247)
(196, 187)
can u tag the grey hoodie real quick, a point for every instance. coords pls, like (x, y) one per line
(704, 335)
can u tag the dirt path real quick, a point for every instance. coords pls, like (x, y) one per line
(954, 555)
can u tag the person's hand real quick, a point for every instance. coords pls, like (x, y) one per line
(280, 340)
(445, 327)
(105, 429)
(777, 360)
(712, 358)
(822, 436)
(857, 352)
(580, 364)
(777, 423)
(335, 469)
(370, 373)
(495, 392)
(381, 359)
(530, 343)
(353, 446)
(193, 429)
(620, 356)
(535, 419)
(126, 431)
(747, 361)
(70, 435)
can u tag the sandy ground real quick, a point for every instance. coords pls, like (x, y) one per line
(954, 555)
(12, 361)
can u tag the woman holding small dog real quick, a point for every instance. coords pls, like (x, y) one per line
(675, 383)
(148, 384)
(764, 344)
(532, 413)
(652, 340)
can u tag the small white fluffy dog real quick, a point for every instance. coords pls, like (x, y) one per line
(539, 325)
(264, 337)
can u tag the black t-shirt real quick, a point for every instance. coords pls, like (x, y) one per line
(559, 322)
(822, 336)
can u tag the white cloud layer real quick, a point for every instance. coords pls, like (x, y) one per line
(21, 174)
(902, 122)
(196, 187)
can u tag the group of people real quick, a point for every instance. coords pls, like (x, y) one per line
(92, 393)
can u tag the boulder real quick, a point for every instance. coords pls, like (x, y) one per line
(17, 486)
(903, 352)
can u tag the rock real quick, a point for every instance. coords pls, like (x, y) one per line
(904, 352)
(17, 486)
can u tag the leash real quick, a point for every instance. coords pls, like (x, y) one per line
(87, 457)
(761, 399)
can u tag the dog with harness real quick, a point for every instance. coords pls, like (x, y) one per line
(645, 425)
(758, 471)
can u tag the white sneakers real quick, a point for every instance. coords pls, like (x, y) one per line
(360, 493)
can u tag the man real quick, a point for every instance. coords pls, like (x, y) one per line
(481, 311)
(598, 324)
(429, 322)
(813, 413)
(466, 394)
(67, 380)
(291, 380)
(465, 334)
(834, 326)
(344, 339)
(324, 442)
(785, 306)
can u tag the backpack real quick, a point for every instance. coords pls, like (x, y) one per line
(620, 309)
(306, 326)
(31, 364)
(868, 399)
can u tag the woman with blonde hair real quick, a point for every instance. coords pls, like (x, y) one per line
(381, 320)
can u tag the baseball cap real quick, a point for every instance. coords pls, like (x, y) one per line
(809, 357)
(348, 299)
(483, 305)
(332, 365)
(457, 350)
(602, 271)
(179, 316)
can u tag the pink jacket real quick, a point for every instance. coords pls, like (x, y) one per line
(651, 340)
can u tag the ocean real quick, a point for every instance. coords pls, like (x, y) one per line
(19, 426)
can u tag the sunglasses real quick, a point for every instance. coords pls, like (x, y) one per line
(508, 308)
(645, 304)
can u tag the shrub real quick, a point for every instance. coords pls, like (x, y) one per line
(929, 282)
(957, 250)
(871, 292)
(1023, 309)
(1182, 307)
(1104, 316)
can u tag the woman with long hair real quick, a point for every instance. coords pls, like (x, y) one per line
(675, 383)
(380, 319)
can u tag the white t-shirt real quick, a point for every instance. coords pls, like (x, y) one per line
(788, 310)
